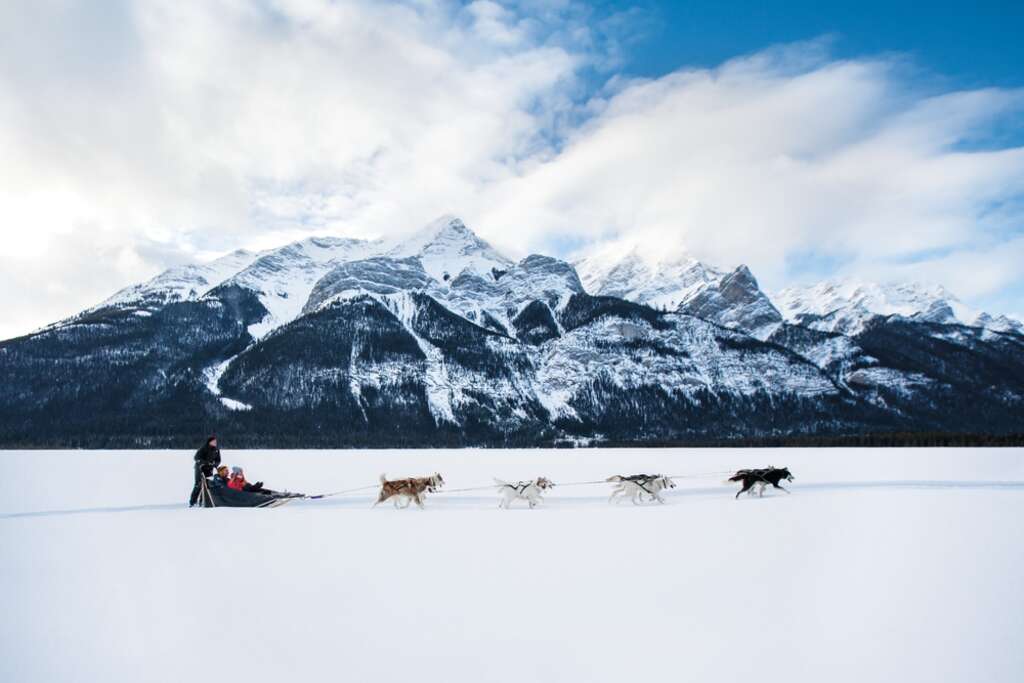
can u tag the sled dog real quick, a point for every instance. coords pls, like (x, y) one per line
(530, 491)
(761, 478)
(410, 490)
(635, 486)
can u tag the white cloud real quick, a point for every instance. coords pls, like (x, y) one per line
(754, 162)
(202, 126)
(136, 135)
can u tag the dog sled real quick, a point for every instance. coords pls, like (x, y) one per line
(224, 497)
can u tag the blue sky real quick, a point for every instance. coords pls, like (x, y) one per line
(970, 44)
(875, 140)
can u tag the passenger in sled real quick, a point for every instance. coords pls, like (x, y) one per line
(231, 490)
(221, 479)
(237, 482)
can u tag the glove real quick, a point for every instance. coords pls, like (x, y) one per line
(259, 484)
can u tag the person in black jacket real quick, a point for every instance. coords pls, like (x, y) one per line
(206, 459)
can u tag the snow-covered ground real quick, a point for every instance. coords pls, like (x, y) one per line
(883, 565)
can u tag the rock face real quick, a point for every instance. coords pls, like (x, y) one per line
(440, 340)
(378, 275)
(736, 302)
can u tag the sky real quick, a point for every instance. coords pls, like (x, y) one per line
(875, 140)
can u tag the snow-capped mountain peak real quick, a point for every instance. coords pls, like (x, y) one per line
(999, 323)
(844, 305)
(631, 275)
(284, 278)
(181, 283)
(447, 248)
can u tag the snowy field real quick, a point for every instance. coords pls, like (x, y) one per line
(883, 565)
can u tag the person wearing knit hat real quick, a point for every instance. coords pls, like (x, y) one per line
(238, 483)
(206, 459)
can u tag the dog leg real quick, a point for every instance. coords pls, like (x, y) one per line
(780, 486)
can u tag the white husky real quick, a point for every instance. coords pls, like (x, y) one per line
(636, 486)
(530, 491)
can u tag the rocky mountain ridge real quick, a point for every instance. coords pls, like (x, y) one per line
(438, 339)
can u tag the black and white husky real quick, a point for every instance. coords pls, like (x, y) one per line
(530, 491)
(636, 486)
(762, 479)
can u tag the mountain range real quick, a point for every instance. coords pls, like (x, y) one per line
(440, 340)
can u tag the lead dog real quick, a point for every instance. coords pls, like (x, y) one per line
(761, 478)
(530, 491)
(411, 490)
(636, 485)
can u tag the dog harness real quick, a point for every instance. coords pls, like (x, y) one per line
(642, 480)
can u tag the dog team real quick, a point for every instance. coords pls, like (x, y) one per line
(634, 487)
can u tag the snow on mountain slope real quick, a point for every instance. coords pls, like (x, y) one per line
(182, 283)
(447, 248)
(501, 295)
(845, 305)
(842, 358)
(631, 276)
(682, 354)
(284, 278)
(450, 385)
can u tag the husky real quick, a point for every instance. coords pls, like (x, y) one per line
(635, 486)
(761, 478)
(530, 491)
(411, 490)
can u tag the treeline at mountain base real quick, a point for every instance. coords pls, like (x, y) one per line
(524, 441)
(893, 440)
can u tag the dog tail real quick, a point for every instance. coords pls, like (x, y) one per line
(736, 477)
(501, 484)
(383, 478)
(614, 477)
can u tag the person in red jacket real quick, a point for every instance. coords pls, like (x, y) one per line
(238, 482)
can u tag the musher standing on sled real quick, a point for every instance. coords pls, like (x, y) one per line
(207, 458)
